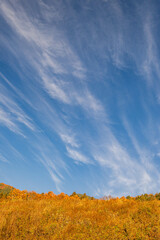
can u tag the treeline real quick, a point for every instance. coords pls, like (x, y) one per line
(9, 192)
(145, 197)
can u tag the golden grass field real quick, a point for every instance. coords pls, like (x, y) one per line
(74, 218)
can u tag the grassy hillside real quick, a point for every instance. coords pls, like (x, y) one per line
(52, 216)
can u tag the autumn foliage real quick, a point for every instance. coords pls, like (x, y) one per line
(28, 215)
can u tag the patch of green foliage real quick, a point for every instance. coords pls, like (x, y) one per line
(82, 196)
(5, 190)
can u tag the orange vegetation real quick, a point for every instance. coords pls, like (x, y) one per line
(56, 217)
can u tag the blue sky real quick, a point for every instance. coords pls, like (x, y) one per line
(80, 96)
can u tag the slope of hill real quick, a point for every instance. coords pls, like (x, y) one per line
(28, 215)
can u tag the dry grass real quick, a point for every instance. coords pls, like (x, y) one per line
(79, 219)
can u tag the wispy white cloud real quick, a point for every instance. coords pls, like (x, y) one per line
(11, 115)
(144, 155)
(54, 88)
(12, 152)
(77, 156)
(3, 159)
(18, 93)
(6, 120)
(51, 168)
(69, 140)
